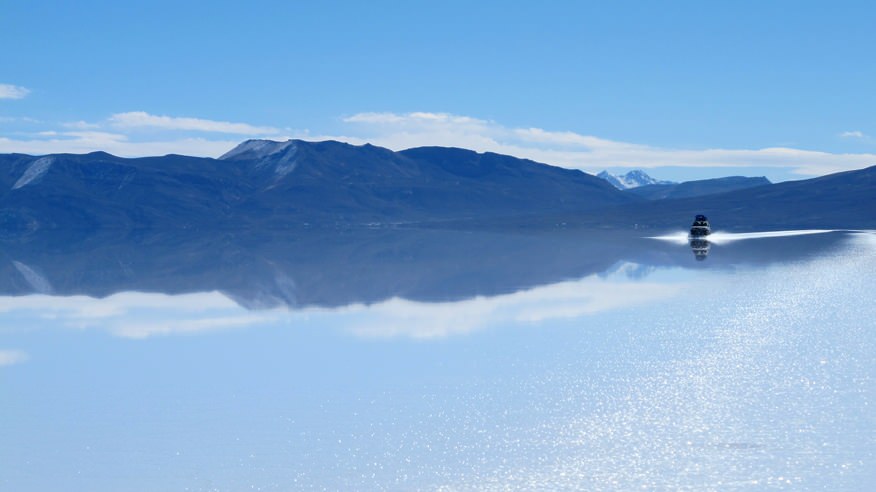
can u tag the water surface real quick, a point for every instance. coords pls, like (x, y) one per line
(429, 360)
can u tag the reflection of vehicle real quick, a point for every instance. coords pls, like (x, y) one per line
(700, 227)
(700, 248)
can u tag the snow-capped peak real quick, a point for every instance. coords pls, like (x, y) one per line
(267, 154)
(257, 149)
(632, 179)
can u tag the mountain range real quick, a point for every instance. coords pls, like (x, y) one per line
(298, 184)
(287, 184)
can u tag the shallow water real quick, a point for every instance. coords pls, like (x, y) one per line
(431, 360)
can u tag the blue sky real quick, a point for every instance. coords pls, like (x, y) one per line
(682, 89)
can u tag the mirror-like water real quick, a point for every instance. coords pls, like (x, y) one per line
(426, 360)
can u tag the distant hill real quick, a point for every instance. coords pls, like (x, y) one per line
(841, 200)
(631, 180)
(286, 184)
(845, 200)
(696, 188)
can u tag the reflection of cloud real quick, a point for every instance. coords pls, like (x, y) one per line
(141, 315)
(184, 326)
(85, 307)
(399, 317)
(138, 315)
(12, 357)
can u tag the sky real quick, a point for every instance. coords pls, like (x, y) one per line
(684, 90)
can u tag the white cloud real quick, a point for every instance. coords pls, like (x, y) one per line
(12, 357)
(853, 134)
(9, 91)
(141, 119)
(81, 142)
(413, 119)
(19, 119)
(572, 150)
(119, 135)
(80, 125)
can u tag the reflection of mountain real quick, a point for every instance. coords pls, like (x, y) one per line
(365, 266)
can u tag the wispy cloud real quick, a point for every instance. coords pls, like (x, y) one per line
(571, 299)
(141, 119)
(19, 119)
(577, 151)
(80, 125)
(137, 134)
(80, 142)
(853, 134)
(12, 357)
(9, 91)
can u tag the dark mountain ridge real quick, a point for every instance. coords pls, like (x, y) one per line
(287, 184)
